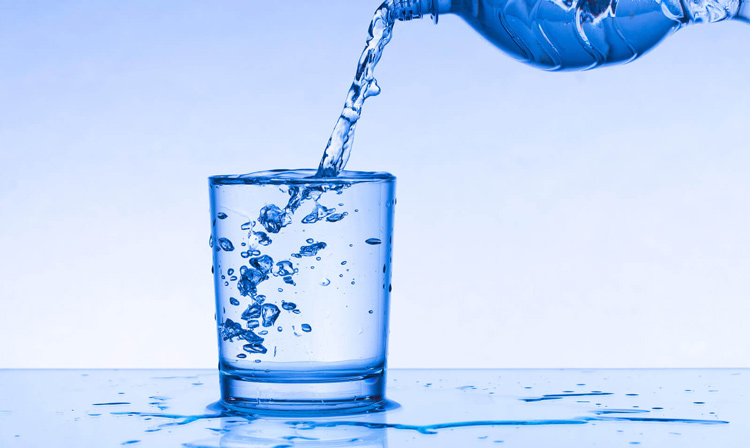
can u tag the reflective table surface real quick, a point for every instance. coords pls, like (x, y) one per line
(427, 408)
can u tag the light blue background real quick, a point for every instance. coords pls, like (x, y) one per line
(544, 219)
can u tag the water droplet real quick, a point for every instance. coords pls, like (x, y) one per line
(317, 258)
(234, 301)
(325, 282)
(306, 328)
(245, 254)
(370, 311)
(230, 271)
(257, 361)
(281, 289)
(341, 204)
(211, 241)
(373, 241)
(247, 226)
(289, 306)
(310, 241)
(343, 263)
(352, 282)
(242, 356)
(279, 328)
(226, 245)
(341, 275)
(221, 215)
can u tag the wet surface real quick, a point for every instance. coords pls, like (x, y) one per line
(430, 408)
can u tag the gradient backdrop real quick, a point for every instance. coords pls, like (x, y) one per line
(596, 219)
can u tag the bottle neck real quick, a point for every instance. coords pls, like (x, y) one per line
(416, 9)
(744, 12)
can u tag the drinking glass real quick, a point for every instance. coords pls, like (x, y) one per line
(302, 275)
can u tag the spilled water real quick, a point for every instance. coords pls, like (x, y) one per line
(471, 408)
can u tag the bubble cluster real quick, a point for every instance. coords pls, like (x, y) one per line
(257, 271)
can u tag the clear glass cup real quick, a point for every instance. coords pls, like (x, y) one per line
(302, 272)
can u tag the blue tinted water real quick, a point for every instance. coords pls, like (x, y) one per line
(291, 276)
(364, 86)
(651, 408)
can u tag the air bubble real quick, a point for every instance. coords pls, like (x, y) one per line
(325, 282)
(306, 328)
(221, 215)
(289, 281)
(269, 313)
(226, 245)
(273, 219)
(336, 217)
(373, 241)
(289, 306)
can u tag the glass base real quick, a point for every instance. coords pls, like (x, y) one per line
(338, 395)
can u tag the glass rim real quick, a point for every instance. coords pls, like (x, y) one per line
(300, 177)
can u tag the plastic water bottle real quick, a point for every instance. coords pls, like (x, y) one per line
(576, 34)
